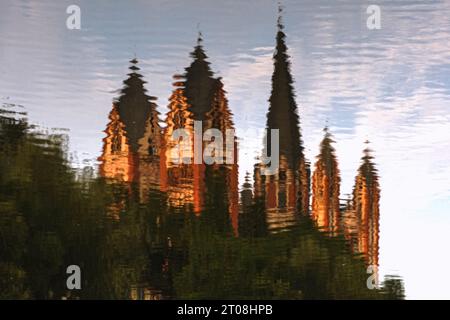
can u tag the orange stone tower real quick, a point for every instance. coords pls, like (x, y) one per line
(177, 173)
(325, 188)
(361, 218)
(132, 144)
(197, 97)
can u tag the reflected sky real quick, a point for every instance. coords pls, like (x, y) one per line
(391, 86)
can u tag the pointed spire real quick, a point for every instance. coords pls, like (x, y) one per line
(367, 168)
(199, 82)
(220, 116)
(366, 197)
(282, 112)
(327, 151)
(135, 107)
(326, 186)
(367, 154)
(367, 149)
(134, 67)
(292, 186)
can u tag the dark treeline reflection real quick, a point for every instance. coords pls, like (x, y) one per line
(52, 217)
(144, 226)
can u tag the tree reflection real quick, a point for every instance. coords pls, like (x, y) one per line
(52, 217)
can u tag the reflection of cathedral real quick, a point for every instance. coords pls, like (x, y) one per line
(285, 193)
(139, 152)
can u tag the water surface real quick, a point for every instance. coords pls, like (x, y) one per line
(388, 86)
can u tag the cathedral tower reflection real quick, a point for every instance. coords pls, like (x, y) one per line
(286, 193)
(133, 137)
(361, 217)
(145, 156)
(197, 96)
(325, 187)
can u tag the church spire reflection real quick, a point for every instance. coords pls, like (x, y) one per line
(198, 96)
(286, 193)
(325, 187)
(362, 215)
(133, 137)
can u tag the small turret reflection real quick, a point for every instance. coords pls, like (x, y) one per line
(325, 187)
(360, 220)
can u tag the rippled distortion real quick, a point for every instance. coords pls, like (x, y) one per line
(147, 225)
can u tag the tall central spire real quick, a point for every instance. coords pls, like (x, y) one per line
(282, 112)
(286, 193)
